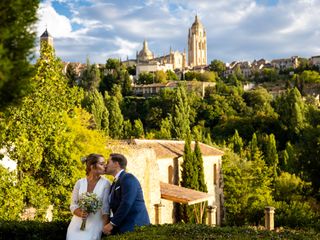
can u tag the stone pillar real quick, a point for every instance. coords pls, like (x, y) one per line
(269, 217)
(211, 211)
(157, 216)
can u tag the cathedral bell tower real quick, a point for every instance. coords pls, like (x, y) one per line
(197, 44)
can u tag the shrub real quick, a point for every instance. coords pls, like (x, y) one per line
(32, 230)
(199, 231)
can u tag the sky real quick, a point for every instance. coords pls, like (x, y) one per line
(237, 30)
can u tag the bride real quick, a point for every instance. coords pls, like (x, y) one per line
(94, 182)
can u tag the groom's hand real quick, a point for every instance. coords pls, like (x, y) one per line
(107, 228)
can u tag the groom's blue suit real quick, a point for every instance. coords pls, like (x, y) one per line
(127, 204)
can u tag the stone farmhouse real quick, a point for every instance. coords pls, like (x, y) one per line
(157, 164)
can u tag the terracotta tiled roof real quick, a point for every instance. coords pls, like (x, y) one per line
(172, 148)
(182, 195)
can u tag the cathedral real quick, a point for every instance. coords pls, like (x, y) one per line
(175, 60)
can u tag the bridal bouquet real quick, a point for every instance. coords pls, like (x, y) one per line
(90, 203)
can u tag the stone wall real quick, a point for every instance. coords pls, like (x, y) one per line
(142, 163)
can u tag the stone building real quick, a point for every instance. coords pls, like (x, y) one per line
(285, 63)
(146, 62)
(197, 44)
(147, 90)
(157, 164)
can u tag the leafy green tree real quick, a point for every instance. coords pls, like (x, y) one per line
(137, 130)
(94, 103)
(254, 153)
(309, 76)
(200, 207)
(116, 92)
(171, 76)
(189, 179)
(290, 159)
(90, 78)
(217, 66)
(236, 143)
(115, 74)
(180, 119)
(260, 101)
(72, 75)
(271, 155)
(16, 45)
(127, 129)
(160, 77)
(291, 110)
(11, 197)
(49, 134)
(165, 126)
(146, 78)
(246, 189)
(115, 118)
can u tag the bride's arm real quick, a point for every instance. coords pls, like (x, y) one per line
(105, 204)
(74, 207)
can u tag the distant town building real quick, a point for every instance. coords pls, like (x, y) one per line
(315, 61)
(285, 63)
(147, 90)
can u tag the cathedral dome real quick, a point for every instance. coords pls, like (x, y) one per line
(145, 54)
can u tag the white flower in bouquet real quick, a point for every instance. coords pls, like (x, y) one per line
(90, 203)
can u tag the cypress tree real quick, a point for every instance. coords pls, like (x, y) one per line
(94, 104)
(138, 131)
(237, 143)
(115, 118)
(127, 129)
(271, 156)
(17, 40)
(189, 178)
(201, 207)
(180, 120)
(165, 126)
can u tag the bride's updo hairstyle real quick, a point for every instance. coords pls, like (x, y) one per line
(91, 160)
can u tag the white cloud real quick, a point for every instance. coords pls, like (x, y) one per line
(57, 25)
(236, 30)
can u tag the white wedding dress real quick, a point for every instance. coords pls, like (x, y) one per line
(94, 222)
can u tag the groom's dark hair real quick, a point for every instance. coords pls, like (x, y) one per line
(117, 157)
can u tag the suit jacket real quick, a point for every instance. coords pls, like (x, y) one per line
(127, 204)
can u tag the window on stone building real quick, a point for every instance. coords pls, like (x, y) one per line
(170, 174)
(215, 174)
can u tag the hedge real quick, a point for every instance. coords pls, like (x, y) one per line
(32, 230)
(197, 231)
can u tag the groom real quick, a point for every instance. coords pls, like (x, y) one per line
(127, 205)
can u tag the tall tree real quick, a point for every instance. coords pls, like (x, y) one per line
(200, 207)
(90, 78)
(17, 40)
(49, 134)
(271, 155)
(218, 67)
(180, 119)
(94, 103)
(137, 130)
(237, 143)
(189, 178)
(115, 118)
